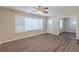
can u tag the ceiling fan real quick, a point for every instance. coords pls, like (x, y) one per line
(40, 9)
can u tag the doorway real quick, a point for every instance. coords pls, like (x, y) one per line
(61, 25)
(67, 24)
(67, 29)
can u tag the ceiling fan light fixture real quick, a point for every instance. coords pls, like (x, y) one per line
(39, 12)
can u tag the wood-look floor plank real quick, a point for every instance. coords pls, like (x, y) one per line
(65, 42)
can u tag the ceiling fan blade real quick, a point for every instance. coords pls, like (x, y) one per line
(45, 8)
(45, 11)
(36, 8)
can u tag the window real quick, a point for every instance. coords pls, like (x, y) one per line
(74, 22)
(24, 24)
(20, 24)
(33, 24)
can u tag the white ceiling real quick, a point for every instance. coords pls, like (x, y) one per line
(52, 10)
(63, 10)
(28, 9)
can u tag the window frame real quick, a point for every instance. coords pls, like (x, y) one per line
(29, 30)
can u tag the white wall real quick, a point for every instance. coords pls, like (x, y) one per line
(0, 29)
(0, 37)
(52, 26)
(7, 22)
(77, 29)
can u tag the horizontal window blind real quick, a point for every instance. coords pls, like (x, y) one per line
(24, 24)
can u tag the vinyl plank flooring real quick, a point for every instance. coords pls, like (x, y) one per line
(65, 42)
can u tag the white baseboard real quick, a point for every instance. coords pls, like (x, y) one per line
(54, 33)
(18, 38)
(12, 40)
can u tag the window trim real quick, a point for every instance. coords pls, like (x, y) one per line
(30, 30)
